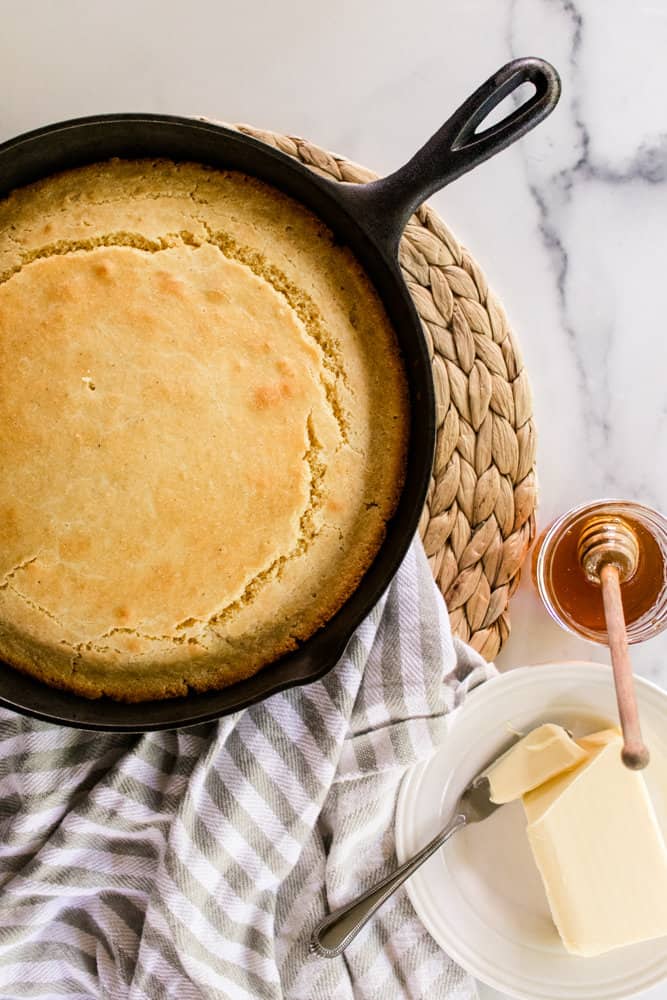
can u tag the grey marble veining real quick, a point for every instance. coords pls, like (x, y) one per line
(598, 185)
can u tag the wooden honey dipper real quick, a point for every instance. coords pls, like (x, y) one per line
(609, 554)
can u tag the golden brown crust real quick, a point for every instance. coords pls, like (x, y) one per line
(204, 420)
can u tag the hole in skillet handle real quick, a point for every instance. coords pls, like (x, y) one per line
(508, 104)
(542, 80)
(385, 206)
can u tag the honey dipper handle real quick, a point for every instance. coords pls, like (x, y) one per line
(635, 753)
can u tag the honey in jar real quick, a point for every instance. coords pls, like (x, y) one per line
(575, 601)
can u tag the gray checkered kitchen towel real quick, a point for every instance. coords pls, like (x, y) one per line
(194, 863)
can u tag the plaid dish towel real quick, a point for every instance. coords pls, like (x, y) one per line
(194, 863)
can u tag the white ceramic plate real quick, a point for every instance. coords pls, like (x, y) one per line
(481, 896)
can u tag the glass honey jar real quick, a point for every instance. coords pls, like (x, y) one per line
(574, 600)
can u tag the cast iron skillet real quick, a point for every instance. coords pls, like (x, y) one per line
(370, 220)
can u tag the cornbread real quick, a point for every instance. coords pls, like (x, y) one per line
(204, 420)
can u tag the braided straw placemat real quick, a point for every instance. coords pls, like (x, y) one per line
(479, 518)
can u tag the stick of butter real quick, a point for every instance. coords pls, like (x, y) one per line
(543, 753)
(600, 851)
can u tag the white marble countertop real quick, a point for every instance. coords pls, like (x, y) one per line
(570, 225)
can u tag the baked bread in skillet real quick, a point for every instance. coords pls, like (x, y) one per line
(203, 426)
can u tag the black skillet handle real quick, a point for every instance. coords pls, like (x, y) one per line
(384, 206)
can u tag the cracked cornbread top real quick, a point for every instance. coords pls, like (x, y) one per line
(203, 424)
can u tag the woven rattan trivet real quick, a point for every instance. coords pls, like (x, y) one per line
(479, 518)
